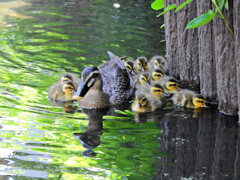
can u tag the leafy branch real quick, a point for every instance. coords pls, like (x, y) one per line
(201, 20)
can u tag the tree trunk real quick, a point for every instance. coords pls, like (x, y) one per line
(206, 56)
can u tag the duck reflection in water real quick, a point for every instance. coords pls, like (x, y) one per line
(68, 106)
(91, 137)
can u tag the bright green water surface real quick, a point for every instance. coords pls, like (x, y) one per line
(39, 41)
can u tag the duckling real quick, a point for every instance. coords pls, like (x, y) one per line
(70, 77)
(170, 84)
(158, 62)
(156, 74)
(130, 67)
(145, 103)
(141, 64)
(190, 99)
(62, 91)
(155, 89)
(105, 85)
(142, 79)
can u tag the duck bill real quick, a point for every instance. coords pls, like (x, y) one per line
(143, 69)
(139, 106)
(132, 72)
(147, 83)
(166, 94)
(81, 92)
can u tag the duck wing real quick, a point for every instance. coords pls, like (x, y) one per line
(116, 80)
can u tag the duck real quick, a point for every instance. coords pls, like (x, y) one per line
(142, 79)
(158, 62)
(189, 99)
(145, 102)
(156, 74)
(62, 91)
(130, 67)
(105, 86)
(155, 89)
(141, 64)
(169, 84)
(70, 77)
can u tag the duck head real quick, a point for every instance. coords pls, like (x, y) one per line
(142, 64)
(159, 61)
(91, 79)
(199, 101)
(157, 74)
(130, 67)
(68, 87)
(141, 101)
(157, 90)
(144, 79)
(66, 77)
(172, 85)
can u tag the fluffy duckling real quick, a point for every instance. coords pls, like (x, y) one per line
(142, 79)
(130, 67)
(62, 91)
(158, 62)
(105, 85)
(145, 103)
(156, 74)
(170, 84)
(155, 89)
(70, 77)
(141, 64)
(190, 99)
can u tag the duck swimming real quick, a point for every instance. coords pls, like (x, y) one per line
(70, 77)
(190, 99)
(106, 85)
(62, 91)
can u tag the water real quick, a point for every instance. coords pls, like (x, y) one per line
(39, 41)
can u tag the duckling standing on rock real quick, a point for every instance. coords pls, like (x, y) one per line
(106, 85)
(145, 103)
(141, 64)
(142, 79)
(62, 91)
(190, 99)
(170, 84)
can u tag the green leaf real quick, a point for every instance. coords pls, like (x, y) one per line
(162, 26)
(183, 5)
(170, 7)
(220, 4)
(157, 4)
(226, 5)
(201, 20)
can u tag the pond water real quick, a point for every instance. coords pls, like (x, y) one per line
(39, 41)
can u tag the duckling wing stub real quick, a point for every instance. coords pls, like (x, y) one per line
(117, 82)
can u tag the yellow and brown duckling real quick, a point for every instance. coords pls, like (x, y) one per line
(145, 103)
(158, 62)
(189, 99)
(155, 89)
(62, 91)
(142, 79)
(141, 64)
(156, 74)
(70, 77)
(130, 67)
(170, 84)
(105, 85)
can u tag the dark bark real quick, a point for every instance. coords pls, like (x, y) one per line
(237, 46)
(207, 65)
(170, 22)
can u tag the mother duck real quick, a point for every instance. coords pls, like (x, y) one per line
(106, 85)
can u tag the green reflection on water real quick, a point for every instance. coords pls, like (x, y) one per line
(46, 40)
